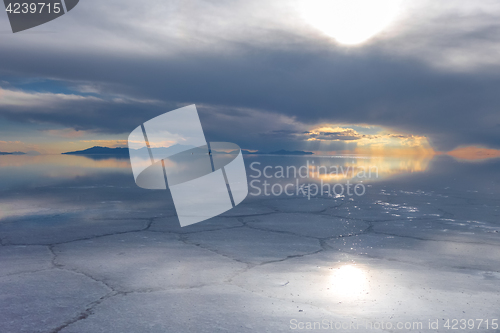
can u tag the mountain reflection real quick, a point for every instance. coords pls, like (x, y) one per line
(45, 169)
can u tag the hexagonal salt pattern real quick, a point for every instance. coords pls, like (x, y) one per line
(146, 261)
(369, 289)
(310, 225)
(206, 309)
(22, 259)
(254, 246)
(171, 224)
(46, 300)
(62, 228)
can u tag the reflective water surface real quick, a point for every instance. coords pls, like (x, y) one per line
(21, 172)
(419, 245)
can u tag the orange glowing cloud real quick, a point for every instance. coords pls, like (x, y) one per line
(370, 140)
(330, 133)
(473, 153)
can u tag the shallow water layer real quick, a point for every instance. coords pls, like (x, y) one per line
(85, 250)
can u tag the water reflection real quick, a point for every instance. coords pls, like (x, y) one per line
(48, 170)
(64, 161)
(44, 169)
(335, 168)
(57, 182)
(368, 167)
(349, 281)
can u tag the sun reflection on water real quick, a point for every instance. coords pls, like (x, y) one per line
(349, 281)
(368, 168)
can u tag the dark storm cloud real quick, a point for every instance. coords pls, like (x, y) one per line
(78, 112)
(307, 81)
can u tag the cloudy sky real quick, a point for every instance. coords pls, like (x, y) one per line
(316, 75)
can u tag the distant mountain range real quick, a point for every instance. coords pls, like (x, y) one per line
(13, 153)
(171, 150)
(279, 152)
(100, 151)
(125, 151)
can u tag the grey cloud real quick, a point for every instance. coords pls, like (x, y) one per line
(290, 79)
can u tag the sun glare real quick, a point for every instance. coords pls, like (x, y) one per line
(349, 281)
(350, 22)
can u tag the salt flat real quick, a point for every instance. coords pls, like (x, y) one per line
(404, 253)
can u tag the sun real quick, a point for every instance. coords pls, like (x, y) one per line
(350, 22)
